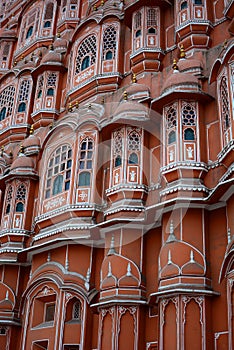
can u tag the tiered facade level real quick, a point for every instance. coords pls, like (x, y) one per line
(116, 175)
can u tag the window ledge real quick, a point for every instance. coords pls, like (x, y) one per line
(44, 325)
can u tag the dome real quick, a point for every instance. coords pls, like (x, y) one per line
(189, 261)
(180, 81)
(22, 163)
(8, 33)
(60, 45)
(131, 110)
(137, 91)
(52, 57)
(31, 141)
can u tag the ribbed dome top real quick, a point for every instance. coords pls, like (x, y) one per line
(60, 44)
(52, 57)
(189, 64)
(30, 141)
(22, 162)
(180, 81)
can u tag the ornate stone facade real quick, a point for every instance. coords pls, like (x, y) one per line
(116, 175)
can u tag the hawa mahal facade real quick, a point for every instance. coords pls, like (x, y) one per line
(116, 175)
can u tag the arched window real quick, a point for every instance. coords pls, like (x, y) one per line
(152, 31)
(50, 92)
(84, 178)
(3, 113)
(225, 104)
(86, 154)
(8, 200)
(184, 5)
(23, 94)
(171, 137)
(109, 43)
(76, 312)
(118, 161)
(19, 207)
(39, 94)
(58, 171)
(109, 55)
(57, 185)
(85, 63)
(133, 158)
(138, 33)
(29, 32)
(22, 107)
(47, 24)
(189, 134)
(88, 48)
(20, 198)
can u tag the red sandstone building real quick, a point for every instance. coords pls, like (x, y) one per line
(116, 175)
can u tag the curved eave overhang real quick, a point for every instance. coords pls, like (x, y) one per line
(32, 175)
(168, 97)
(155, 297)
(52, 66)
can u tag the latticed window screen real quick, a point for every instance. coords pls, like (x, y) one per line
(4, 51)
(137, 20)
(225, 106)
(151, 17)
(59, 171)
(109, 42)
(76, 311)
(24, 91)
(171, 118)
(51, 79)
(8, 200)
(7, 100)
(134, 141)
(188, 115)
(118, 147)
(20, 198)
(88, 48)
(40, 86)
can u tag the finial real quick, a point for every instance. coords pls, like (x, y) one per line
(125, 95)
(58, 34)
(89, 106)
(192, 257)
(31, 57)
(129, 271)
(171, 237)
(102, 2)
(182, 51)
(103, 100)
(95, 8)
(2, 150)
(70, 107)
(112, 246)
(77, 104)
(109, 270)
(174, 66)
(169, 257)
(15, 63)
(51, 47)
(31, 131)
(21, 150)
(134, 80)
(22, 57)
(40, 53)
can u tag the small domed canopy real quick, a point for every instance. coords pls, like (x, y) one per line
(130, 110)
(60, 44)
(8, 33)
(22, 164)
(31, 141)
(137, 91)
(52, 57)
(179, 82)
